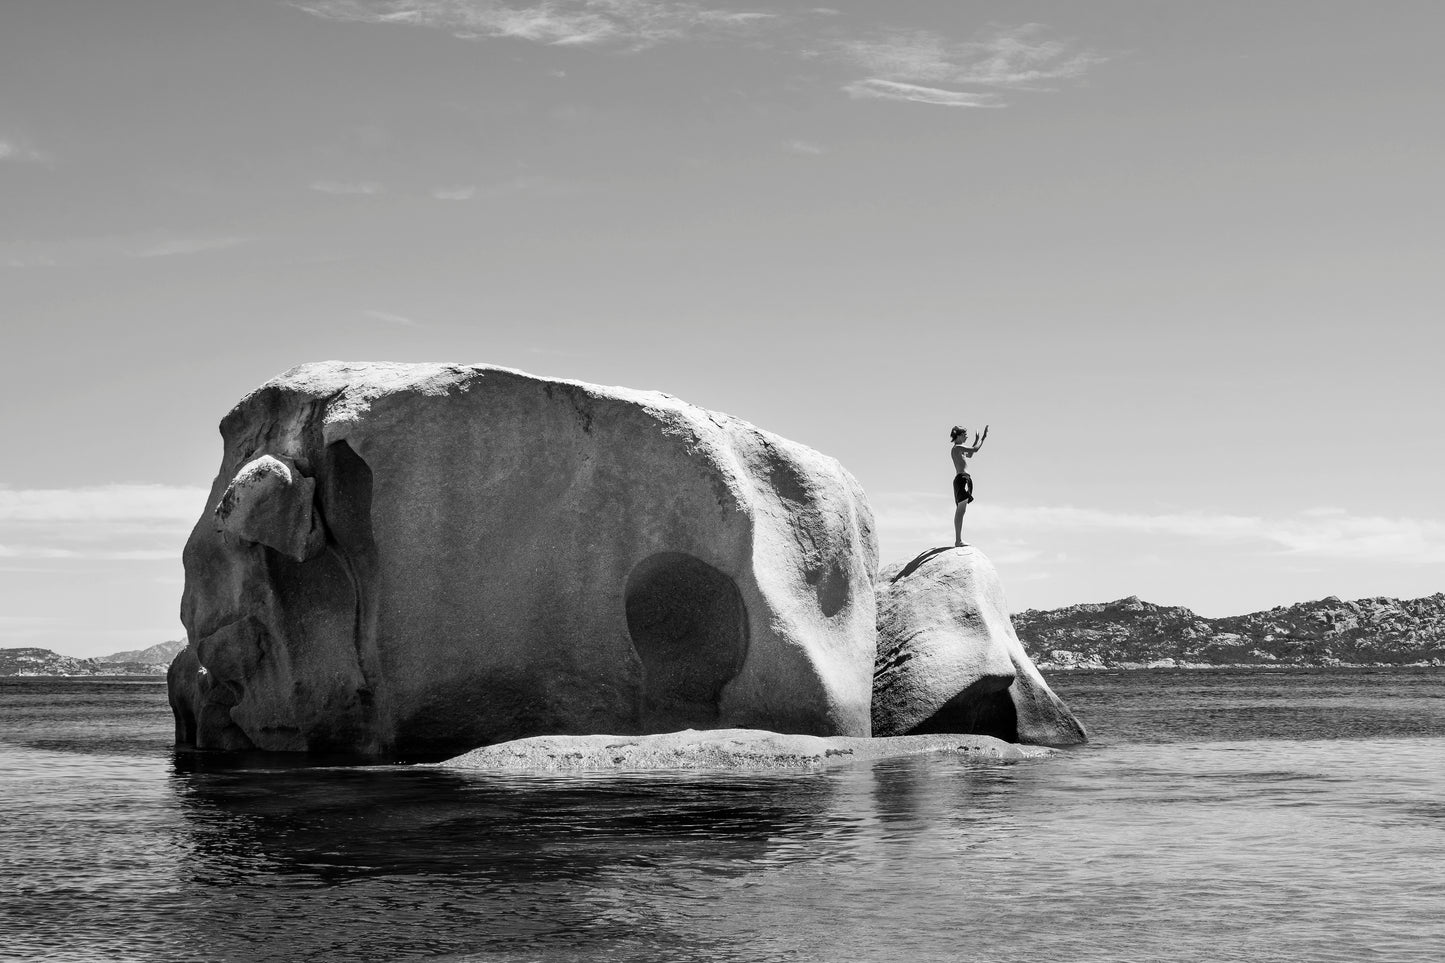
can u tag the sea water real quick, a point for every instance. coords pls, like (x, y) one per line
(1217, 815)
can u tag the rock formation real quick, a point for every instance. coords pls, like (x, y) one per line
(949, 661)
(737, 749)
(416, 559)
(1131, 633)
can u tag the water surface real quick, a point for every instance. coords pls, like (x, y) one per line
(1218, 815)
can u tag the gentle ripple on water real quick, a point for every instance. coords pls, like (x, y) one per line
(1251, 841)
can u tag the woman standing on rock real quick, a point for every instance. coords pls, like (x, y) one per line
(963, 481)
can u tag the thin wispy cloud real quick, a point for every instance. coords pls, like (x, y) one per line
(101, 504)
(92, 554)
(465, 193)
(18, 150)
(391, 318)
(903, 65)
(877, 89)
(20, 262)
(634, 24)
(346, 187)
(447, 192)
(1018, 552)
(552, 352)
(78, 251)
(112, 522)
(806, 148)
(530, 184)
(1327, 533)
(1018, 58)
(926, 67)
(173, 246)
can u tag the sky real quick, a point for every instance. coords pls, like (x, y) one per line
(1186, 259)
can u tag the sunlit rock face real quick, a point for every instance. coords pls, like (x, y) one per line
(949, 661)
(428, 558)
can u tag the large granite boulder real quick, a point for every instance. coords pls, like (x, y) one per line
(949, 661)
(425, 558)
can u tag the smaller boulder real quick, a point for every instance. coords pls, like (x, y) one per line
(949, 661)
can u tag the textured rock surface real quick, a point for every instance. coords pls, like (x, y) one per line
(427, 558)
(1131, 632)
(269, 502)
(746, 749)
(948, 659)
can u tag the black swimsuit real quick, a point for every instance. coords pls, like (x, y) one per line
(962, 488)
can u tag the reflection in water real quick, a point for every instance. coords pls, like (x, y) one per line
(329, 825)
(1195, 840)
(527, 861)
(698, 865)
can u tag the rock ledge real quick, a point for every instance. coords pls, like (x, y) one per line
(727, 749)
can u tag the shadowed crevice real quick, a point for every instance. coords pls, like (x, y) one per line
(689, 626)
(985, 708)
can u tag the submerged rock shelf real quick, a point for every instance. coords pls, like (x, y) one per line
(725, 749)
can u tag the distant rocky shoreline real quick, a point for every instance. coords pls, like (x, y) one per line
(1124, 634)
(43, 663)
(1091, 666)
(1329, 633)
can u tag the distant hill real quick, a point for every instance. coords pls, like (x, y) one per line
(43, 662)
(159, 654)
(1131, 633)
